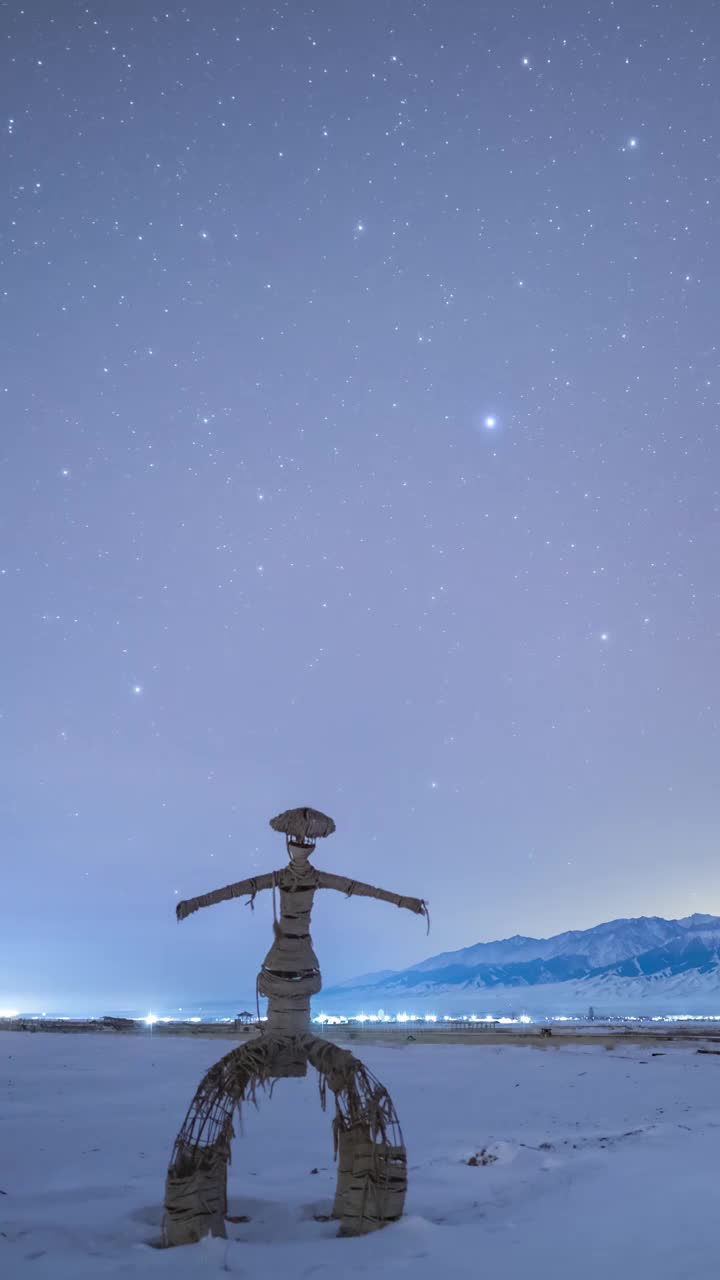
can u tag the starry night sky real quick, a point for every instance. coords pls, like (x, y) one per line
(359, 449)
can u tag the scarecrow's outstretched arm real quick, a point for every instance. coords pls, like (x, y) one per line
(237, 890)
(326, 880)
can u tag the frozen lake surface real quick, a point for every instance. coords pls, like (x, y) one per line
(592, 1162)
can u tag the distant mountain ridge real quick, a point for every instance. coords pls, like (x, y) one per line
(627, 960)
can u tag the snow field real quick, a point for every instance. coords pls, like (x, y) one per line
(567, 1161)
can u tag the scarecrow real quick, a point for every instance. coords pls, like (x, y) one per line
(372, 1162)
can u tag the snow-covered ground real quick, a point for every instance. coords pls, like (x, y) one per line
(596, 1162)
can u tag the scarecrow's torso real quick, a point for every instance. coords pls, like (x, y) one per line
(292, 951)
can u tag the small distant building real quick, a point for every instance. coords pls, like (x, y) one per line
(119, 1024)
(244, 1019)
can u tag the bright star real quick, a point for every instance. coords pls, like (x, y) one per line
(632, 143)
(490, 422)
(137, 689)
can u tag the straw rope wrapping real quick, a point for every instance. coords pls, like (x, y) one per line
(372, 1163)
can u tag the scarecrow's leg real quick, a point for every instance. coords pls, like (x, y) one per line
(195, 1195)
(372, 1161)
(371, 1189)
(347, 1140)
(196, 1183)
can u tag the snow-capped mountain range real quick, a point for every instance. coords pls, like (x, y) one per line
(647, 965)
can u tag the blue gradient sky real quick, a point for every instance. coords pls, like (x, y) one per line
(359, 449)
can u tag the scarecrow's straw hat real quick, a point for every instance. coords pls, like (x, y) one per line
(303, 824)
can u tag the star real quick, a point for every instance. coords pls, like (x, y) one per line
(137, 689)
(490, 421)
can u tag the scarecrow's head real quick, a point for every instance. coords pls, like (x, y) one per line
(302, 828)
